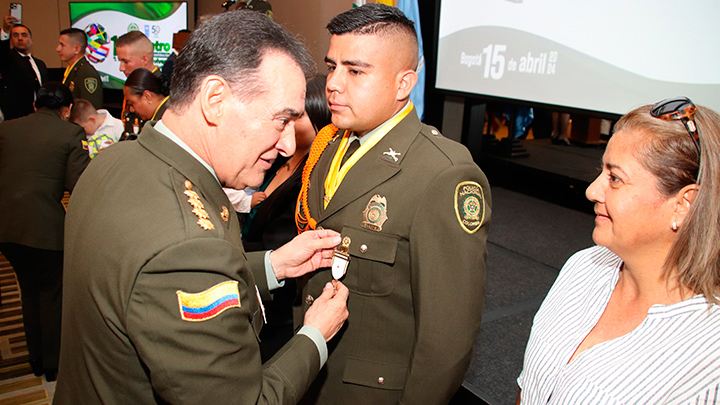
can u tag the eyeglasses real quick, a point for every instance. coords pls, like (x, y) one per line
(679, 108)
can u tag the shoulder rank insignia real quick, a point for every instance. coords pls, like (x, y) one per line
(375, 214)
(196, 307)
(224, 213)
(198, 207)
(469, 206)
(91, 84)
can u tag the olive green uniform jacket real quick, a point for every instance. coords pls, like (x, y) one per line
(133, 244)
(84, 82)
(41, 157)
(416, 285)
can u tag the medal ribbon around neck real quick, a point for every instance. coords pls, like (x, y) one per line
(68, 69)
(303, 220)
(337, 173)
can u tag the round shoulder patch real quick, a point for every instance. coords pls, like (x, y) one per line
(469, 206)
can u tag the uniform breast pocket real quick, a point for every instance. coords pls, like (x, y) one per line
(372, 256)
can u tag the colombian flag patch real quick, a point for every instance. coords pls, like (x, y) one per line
(196, 307)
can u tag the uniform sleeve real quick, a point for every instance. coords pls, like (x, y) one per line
(215, 359)
(96, 96)
(78, 159)
(447, 254)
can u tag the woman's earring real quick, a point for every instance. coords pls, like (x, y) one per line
(674, 226)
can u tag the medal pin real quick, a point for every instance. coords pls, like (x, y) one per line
(341, 259)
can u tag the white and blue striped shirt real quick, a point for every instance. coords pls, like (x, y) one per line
(672, 357)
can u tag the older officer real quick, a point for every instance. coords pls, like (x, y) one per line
(413, 211)
(161, 303)
(80, 76)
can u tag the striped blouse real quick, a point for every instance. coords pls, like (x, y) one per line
(672, 357)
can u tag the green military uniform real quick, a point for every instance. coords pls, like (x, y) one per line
(148, 232)
(157, 115)
(41, 157)
(416, 209)
(84, 82)
(131, 119)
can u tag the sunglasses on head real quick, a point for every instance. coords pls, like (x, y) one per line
(679, 108)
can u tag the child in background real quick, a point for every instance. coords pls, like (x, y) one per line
(101, 128)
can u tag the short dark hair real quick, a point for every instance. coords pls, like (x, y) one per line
(375, 19)
(77, 35)
(371, 18)
(53, 95)
(23, 26)
(232, 45)
(142, 79)
(316, 106)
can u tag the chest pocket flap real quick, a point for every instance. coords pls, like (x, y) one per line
(370, 271)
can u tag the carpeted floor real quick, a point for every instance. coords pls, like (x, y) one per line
(18, 385)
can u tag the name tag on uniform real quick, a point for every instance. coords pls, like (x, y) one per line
(341, 259)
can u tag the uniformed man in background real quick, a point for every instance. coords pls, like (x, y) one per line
(161, 303)
(134, 50)
(413, 210)
(80, 76)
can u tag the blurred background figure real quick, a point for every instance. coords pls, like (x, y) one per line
(146, 94)
(637, 317)
(42, 157)
(271, 221)
(179, 39)
(80, 76)
(101, 128)
(22, 73)
(560, 129)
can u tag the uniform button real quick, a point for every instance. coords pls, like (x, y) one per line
(363, 248)
(435, 132)
(309, 299)
(381, 380)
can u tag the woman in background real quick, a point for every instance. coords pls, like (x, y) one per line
(41, 157)
(271, 222)
(635, 319)
(146, 94)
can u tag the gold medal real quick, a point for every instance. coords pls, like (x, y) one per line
(341, 259)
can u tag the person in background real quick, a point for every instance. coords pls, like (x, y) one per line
(22, 73)
(80, 76)
(272, 220)
(101, 128)
(560, 134)
(413, 210)
(42, 157)
(134, 50)
(636, 319)
(171, 313)
(146, 94)
(179, 39)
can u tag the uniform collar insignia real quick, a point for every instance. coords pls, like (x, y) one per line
(392, 154)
